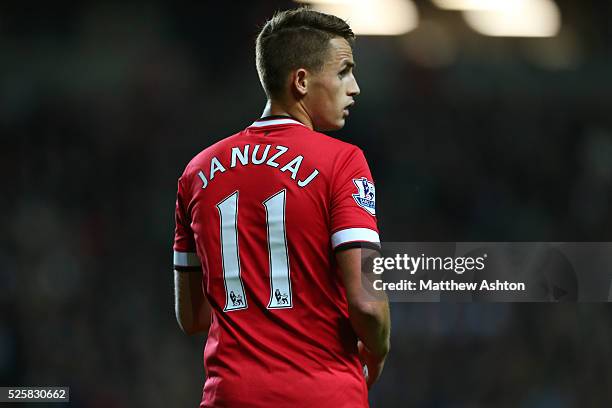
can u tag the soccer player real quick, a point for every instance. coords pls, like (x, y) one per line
(271, 224)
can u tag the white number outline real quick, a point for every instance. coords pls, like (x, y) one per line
(225, 256)
(227, 250)
(282, 275)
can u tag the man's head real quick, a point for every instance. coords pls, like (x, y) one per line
(306, 57)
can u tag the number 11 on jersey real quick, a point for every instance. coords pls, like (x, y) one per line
(278, 253)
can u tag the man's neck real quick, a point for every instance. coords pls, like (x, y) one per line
(296, 112)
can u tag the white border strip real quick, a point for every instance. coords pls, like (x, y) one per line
(186, 259)
(354, 235)
(276, 122)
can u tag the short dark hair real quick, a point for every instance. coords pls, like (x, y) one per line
(294, 39)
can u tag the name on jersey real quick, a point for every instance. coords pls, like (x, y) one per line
(258, 155)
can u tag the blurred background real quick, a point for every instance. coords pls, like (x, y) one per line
(480, 123)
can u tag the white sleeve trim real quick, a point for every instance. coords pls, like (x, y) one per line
(186, 259)
(354, 235)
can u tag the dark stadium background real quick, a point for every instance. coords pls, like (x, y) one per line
(470, 138)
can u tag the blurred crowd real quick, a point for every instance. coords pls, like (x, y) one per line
(101, 107)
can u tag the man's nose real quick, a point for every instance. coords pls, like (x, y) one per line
(354, 89)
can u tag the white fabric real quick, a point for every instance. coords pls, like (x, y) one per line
(186, 259)
(287, 121)
(354, 235)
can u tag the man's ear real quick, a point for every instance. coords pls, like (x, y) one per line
(300, 82)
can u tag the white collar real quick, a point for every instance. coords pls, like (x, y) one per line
(271, 122)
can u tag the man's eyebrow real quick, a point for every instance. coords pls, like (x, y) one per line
(348, 64)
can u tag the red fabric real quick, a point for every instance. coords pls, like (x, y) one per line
(304, 356)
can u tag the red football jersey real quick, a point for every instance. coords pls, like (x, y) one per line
(261, 213)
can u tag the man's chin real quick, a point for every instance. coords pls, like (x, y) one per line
(330, 127)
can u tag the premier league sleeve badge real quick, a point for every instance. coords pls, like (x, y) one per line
(366, 196)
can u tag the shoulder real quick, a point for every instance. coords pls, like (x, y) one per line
(344, 153)
(333, 157)
(328, 149)
(333, 143)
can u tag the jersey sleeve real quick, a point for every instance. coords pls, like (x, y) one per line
(185, 257)
(353, 204)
